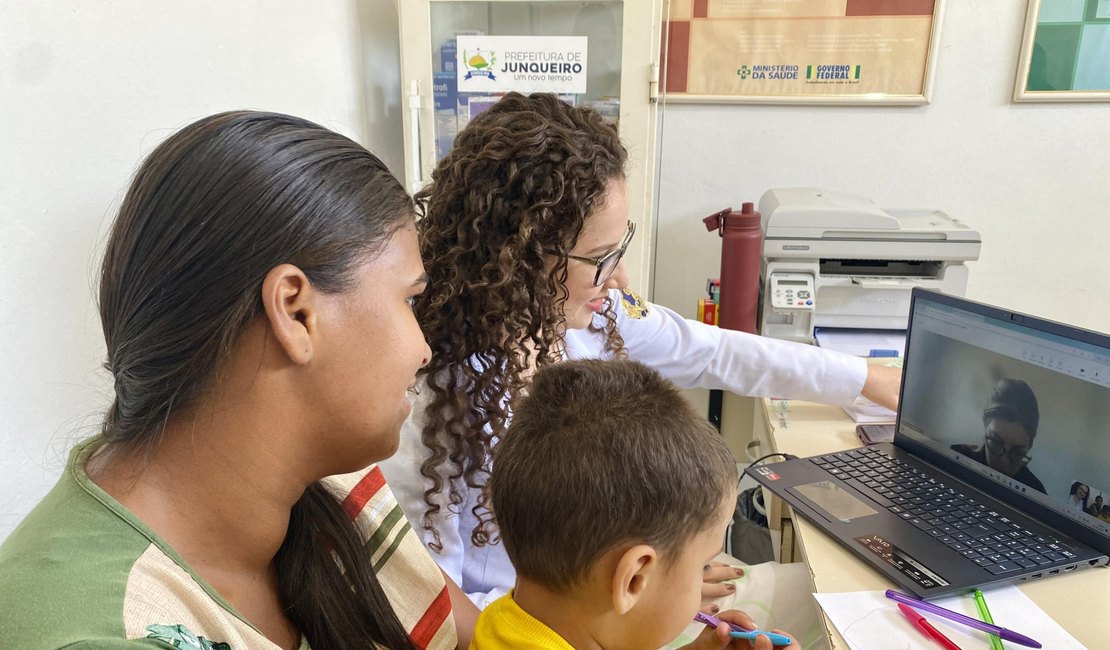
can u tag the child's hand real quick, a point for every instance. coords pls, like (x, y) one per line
(714, 584)
(718, 639)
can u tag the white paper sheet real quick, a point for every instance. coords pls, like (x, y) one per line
(775, 595)
(861, 342)
(868, 620)
(864, 411)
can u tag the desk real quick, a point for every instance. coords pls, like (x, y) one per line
(1079, 602)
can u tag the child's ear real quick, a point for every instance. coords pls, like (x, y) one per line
(635, 568)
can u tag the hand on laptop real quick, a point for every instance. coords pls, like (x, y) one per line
(882, 385)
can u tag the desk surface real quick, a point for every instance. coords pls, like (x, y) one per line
(1079, 602)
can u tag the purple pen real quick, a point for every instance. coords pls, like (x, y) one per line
(741, 632)
(1003, 633)
(713, 621)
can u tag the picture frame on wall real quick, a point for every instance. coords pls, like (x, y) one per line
(1065, 52)
(858, 52)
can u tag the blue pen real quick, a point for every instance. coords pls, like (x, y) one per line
(738, 632)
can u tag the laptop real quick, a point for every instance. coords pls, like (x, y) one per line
(1000, 466)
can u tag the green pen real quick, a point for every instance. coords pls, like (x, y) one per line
(985, 614)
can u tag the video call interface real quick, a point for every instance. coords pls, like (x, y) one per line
(1026, 409)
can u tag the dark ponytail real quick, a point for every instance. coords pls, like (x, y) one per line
(312, 580)
(209, 213)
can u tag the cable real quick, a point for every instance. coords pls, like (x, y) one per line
(763, 458)
(766, 456)
(755, 501)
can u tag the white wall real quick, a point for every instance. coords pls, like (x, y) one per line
(1033, 179)
(86, 88)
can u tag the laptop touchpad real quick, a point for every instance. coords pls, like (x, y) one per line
(834, 502)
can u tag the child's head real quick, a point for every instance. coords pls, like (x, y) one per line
(608, 486)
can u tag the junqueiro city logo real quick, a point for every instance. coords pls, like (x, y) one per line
(479, 64)
(761, 71)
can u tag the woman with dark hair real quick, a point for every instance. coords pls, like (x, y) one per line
(256, 299)
(1078, 495)
(523, 230)
(1010, 423)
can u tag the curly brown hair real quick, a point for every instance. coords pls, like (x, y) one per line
(512, 195)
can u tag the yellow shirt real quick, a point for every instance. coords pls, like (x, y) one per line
(504, 625)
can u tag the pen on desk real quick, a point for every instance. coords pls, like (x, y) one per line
(989, 628)
(985, 614)
(923, 626)
(738, 632)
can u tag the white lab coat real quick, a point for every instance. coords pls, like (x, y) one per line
(689, 353)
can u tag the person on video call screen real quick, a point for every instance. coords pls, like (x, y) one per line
(1009, 429)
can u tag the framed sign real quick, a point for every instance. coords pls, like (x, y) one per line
(1065, 54)
(817, 52)
(526, 64)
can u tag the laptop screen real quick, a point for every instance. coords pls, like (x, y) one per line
(1020, 401)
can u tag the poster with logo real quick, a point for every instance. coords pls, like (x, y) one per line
(1065, 52)
(794, 51)
(526, 64)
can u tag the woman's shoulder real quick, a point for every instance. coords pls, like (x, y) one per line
(77, 573)
(630, 305)
(409, 576)
(66, 557)
(630, 312)
(82, 571)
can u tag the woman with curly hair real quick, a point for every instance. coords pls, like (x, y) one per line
(522, 233)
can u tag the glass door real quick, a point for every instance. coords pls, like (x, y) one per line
(600, 23)
(607, 49)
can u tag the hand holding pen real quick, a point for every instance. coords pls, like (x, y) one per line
(735, 629)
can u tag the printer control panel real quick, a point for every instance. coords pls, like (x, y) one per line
(792, 291)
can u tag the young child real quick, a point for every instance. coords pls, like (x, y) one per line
(611, 495)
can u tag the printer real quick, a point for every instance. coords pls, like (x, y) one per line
(834, 260)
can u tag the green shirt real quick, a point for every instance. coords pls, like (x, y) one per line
(81, 571)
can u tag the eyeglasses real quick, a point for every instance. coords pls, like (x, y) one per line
(998, 447)
(607, 263)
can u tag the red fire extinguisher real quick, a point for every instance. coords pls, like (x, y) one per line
(741, 252)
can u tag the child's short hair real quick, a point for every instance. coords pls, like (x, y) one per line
(598, 454)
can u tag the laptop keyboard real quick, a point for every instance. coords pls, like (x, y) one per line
(954, 518)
